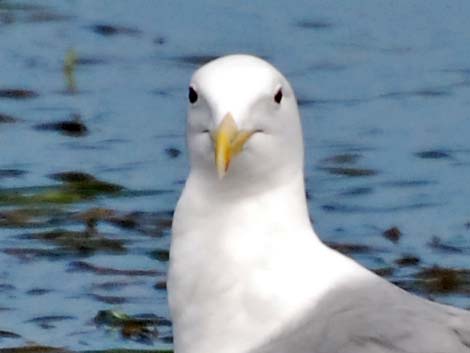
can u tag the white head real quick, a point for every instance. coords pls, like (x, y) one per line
(243, 123)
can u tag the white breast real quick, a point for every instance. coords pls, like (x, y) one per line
(234, 285)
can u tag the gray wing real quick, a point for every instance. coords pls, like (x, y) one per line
(376, 317)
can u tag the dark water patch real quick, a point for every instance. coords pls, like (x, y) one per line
(172, 152)
(83, 266)
(73, 127)
(167, 339)
(314, 24)
(423, 93)
(126, 221)
(6, 18)
(111, 299)
(408, 260)
(115, 285)
(438, 280)
(17, 93)
(17, 6)
(162, 255)
(32, 254)
(38, 291)
(50, 321)
(124, 350)
(73, 177)
(160, 285)
(83, 60)
(431, 92)
(393, 234)
(169, 135)
(350, 172)
(434, 154)
(440, 245)
(5, 287)
(45, 16)
(384, 271)
(351, 148)
(34, 349)
(358, 191)
(11, 173)
(80, 243)
(92, 216)
(341, 208)
(29, 13)
(160, 40)
(148, 223)
(108, 30)
(351, 248)
(409, 183)
(32, 217)
(7, 119)
(8, 334)
(343, 158)
(308, 194)
(306, 102)
(86, 185)
(161, 93)
(180, 182)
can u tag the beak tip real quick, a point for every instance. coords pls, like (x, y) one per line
(221, 172)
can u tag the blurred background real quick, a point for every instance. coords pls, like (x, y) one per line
(93, 158)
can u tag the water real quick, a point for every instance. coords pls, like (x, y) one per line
(384, 93)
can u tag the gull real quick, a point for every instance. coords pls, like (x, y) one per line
(247, 273)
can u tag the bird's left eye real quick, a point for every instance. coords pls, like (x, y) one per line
(278, 96)
(192, 95)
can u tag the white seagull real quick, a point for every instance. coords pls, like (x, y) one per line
(247, 272)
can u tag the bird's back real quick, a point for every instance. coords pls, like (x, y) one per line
(375, 317)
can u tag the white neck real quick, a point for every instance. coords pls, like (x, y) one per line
(232, 291)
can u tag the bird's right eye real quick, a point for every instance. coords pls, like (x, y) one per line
(192, 96)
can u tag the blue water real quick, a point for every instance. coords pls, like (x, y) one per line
(382, 81)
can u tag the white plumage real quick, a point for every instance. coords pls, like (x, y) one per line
(247, 271)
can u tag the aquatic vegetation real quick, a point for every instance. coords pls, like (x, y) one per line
(70, 64)
(92, 96)
(7, 119)
(408, 260)
(74, 242)
(172, 152)
(17, 93)
(74, 126)
(76, 187)
(351, 172)
(434, 154)
(343, 158)
(112, 30)
(83, 266)
(393, 234)
(142, 328)
(438, 280)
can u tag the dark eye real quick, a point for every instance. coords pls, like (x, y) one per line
(278, 96)
(192, 95)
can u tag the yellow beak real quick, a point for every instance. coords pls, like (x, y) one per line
(228, 142)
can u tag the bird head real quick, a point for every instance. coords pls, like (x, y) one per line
(243, 122)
